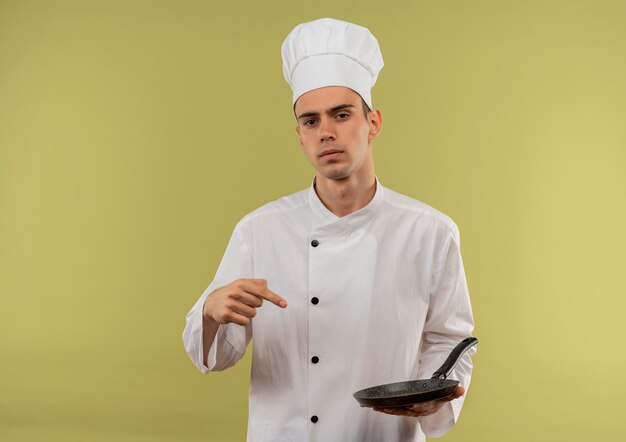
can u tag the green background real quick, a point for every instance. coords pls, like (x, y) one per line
(135, 134)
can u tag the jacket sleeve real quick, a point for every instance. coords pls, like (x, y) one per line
(449, 321)
(231, 339)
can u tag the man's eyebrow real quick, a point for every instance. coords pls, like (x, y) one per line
(333, 109)
(308, 114)
(341, 106)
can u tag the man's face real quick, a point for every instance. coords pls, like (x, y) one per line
(334, 134)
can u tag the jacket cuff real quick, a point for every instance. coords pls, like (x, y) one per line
(439, 423)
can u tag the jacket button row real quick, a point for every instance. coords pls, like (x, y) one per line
(314, 300)
(315, 243)
(314, 419)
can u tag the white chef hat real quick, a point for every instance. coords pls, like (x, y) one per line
(330, 52)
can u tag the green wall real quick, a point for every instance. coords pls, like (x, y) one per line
(134, 135)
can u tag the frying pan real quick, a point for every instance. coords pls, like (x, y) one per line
(402, 394)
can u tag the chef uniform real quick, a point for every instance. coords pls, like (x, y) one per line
(374, 297)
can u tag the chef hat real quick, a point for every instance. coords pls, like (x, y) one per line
(330, 52)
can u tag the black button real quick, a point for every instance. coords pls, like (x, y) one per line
(314, 301)
(315, 359)
(314, 419)
(315, 243)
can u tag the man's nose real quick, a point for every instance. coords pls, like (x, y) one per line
(327, 129)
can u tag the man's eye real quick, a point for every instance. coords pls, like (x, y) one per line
(343, 116)
(309, 122)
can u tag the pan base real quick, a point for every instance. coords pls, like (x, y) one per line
(402, 394)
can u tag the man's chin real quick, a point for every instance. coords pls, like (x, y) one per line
(334, 174)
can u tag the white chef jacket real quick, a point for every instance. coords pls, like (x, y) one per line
(376, 296)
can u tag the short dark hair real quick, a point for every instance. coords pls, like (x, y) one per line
(366, 108)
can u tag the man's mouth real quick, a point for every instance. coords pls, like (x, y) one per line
(329, 152)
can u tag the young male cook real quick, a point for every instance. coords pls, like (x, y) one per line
(341, 286)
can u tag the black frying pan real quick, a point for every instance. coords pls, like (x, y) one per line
(402, 394)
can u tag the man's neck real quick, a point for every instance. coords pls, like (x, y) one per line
(345, 196)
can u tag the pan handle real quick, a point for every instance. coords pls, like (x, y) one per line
(455, 355)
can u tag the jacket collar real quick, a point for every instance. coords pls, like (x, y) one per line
(324, 219)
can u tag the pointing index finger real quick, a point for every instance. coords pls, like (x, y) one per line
(265, 293)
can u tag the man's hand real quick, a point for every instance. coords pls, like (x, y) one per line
(425, 408)
(237, 302)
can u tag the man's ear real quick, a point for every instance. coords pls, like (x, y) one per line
(375, 118)
(299, 137)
